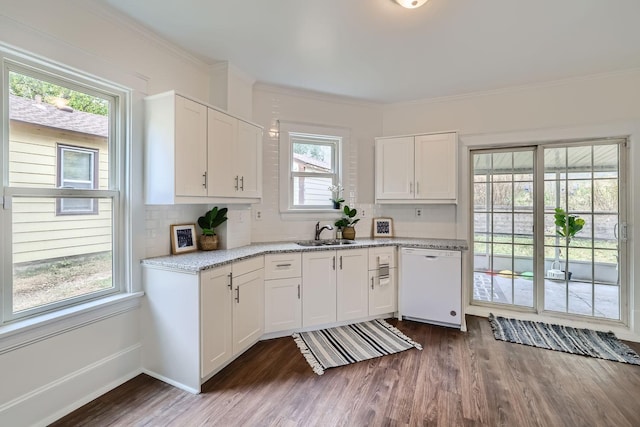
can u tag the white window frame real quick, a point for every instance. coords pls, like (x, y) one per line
(119, 99)
(290, 132)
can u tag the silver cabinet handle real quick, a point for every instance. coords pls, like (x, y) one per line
(242, 183)
(204, 175)
(334, 262)
(230, 285)
(236, 182)
(417, 188)
(371, 282)
(340, 262)
(238, 294)
(298, 290)
(411, 187)
(283, 265)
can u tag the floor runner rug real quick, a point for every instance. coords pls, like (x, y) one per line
(342, 345)
(585, 342)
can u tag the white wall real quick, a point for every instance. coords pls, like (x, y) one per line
(363, 120)
(606, 105)
(49, 377)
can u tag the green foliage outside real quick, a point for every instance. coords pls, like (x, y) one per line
(29, 87)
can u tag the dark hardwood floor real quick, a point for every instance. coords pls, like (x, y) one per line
(459, 379)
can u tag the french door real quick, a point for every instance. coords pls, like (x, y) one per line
(524, 255)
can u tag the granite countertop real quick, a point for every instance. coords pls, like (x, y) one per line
(202, 260)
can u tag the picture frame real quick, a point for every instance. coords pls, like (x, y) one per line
(382, 227)
(183, 238)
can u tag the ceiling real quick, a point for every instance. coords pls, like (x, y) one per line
(376, 50)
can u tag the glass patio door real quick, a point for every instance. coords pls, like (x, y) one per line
(522, 198)
(582, 270)
(503, 227)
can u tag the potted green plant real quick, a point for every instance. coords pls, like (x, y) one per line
(208, 222)
(346, 223)
(336, 195)
(567, 226)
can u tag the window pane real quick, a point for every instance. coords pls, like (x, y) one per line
(43, 115)
(312, 191)
(313, 157)
(57, 258)
(77, 166)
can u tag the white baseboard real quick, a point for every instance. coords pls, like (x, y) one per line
(54, 400)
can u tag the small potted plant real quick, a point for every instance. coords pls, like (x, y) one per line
(567, 226)
(346, 223)
(208, 222)
(336, 195)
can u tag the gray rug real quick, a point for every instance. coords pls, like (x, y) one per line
(585, 342)
(328, 348)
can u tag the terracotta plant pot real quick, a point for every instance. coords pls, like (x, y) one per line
(208, 243)
(349, 233)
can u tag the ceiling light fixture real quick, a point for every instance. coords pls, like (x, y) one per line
(411, 4)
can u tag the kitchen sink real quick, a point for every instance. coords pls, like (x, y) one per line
(329, 242)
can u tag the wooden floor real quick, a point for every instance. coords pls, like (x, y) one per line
(459, 379)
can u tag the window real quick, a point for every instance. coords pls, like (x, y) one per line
(62, 222)
(310, 164)
(77, 168)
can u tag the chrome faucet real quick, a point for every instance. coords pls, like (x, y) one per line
(319, 230)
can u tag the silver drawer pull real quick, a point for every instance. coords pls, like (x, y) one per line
(283, 265)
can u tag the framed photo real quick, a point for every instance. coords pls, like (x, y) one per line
(382, 227)
(183, 238)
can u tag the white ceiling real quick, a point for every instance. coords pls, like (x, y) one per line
(376, 50)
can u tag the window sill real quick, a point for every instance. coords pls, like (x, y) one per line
(315, 214)
(28, 331)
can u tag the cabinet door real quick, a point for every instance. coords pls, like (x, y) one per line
(190, 148)
(215, 303)
(222, 179)
(352, 293)
(283, 304)
(248, 310)
(395, 168)
(248, 159)
(382, 296)
(436, 167)
(318, 288)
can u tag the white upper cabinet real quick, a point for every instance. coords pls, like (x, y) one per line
(223, 131)
(197, 154)
(249, 160)
(417, 169)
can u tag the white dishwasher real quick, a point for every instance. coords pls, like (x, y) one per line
(430, 286)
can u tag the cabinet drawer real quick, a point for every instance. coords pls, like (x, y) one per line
(282, 266)
(375, 253)
(246, 266)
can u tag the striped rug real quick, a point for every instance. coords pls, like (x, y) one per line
(585, 342)
(328, 348)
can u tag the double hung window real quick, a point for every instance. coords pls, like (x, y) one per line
(62, 221)
(311, 167)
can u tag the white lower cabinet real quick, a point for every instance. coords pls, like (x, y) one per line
(334, 286)
(352, 294)
(248, 310)
(283, 293)
(215, 309)
(318, 288)
(383, 293)
(196, 323)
